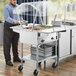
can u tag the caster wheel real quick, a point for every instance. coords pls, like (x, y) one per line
(54, 65)
(35, 72)
(20, 68)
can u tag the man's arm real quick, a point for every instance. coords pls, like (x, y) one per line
(8, 18)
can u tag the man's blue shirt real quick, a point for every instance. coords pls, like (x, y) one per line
(9, 16)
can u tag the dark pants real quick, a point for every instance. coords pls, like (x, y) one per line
(10, 38)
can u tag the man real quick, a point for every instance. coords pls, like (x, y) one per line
(10, 37)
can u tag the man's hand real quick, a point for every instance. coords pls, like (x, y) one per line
(16, 22)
